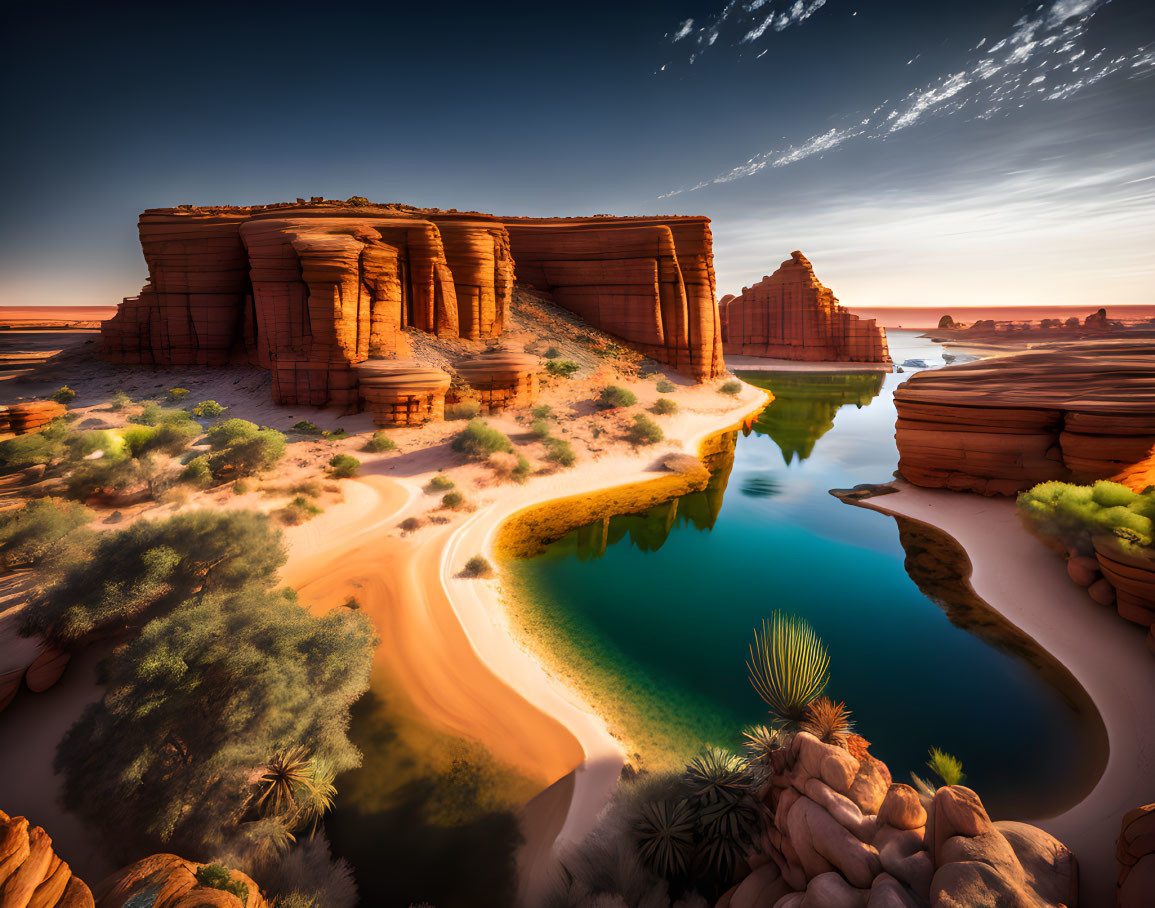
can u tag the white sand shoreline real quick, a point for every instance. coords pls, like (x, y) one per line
(1025, 582)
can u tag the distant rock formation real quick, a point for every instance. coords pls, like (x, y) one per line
(32, 875)
(999, 426)
(309, 290)
(840, 833)
(402, 392)
(790, 315)
(167, 881)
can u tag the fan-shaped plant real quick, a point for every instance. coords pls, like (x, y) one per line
(946, 767)
(759, 744)
(296, 789)
(788, 666)
(665, 837)
(828, 721)
(727, 816)
(717, 776)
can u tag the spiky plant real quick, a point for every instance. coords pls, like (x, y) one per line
(717, 776)
(946, 767)
(295, 789)
(664, 833)
(759, 744)
(828, 721)
(788, 667)
(727, 816)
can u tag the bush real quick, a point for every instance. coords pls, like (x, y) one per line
(410, 524)
(663, 406)
(298, 511)
(452, 500)
(148, 416)
(545, 411)
(176, 395)
(522, 471)
(64, 395)
(246, 453)
(208, 409)
(645, 431)
(197, 473)
(541, 428)
(217, 876)
(309, 487)
(478, 440)
(614, 396)
(30, 533)
(119, 401)
(560, 451)
(306, 428)
(440, 483)
(665, 386)
(566, 368)
(344, 466)
(552, 353)
(946, 767)
(380, 443)
(231, 430)
(1074, 514)
(463, 409)
(241, 487)
(43, 447)
(731, 388)
(477, 566)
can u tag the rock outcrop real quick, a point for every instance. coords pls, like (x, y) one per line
(31, 415)
(1125, 580)
(840, 833)
(167, 881)
(309, 290)
(791, 315)
(649, 281)
(31, 873)
(999, 426)
(1136, 853)
(402, 392)
(504, 379)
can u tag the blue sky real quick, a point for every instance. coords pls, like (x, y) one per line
(919, 153)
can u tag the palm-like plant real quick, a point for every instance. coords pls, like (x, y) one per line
(788, 666)
(828, 721)
(665, 837)
(295, 788)
(721, 791)
(759, 746)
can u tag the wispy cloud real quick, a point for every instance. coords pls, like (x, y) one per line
(743, 21)
(1042, 59)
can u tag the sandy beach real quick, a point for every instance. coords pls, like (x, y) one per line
(1027, 583)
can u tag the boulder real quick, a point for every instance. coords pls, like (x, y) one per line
(167, 881)
(902, 808)
(31, 874)
(761, 889)
(1135, 851)
(25, 418)
(1083, 570)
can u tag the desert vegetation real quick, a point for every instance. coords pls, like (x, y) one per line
(1074, 514)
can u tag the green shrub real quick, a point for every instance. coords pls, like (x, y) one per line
(614, 396)
(1073, 514)
(463, 409)
(176, 395)
(197, 473)
(663, 406)
(149, 415)
(309, 487)
(478, 440)
(64, 395)
(731, 388)
(43, 447)
(440, 483)
(552, 353)
(242, 487)
(231, 430)
(946, 767)
(208, 409)
(545, 411)
(138, 439)
(379, 443)
(560, 451)
(522, 471)
(217, 876)
(306, 428)
(119, 401)
(452, 500)
(298, 511)
(344, 466)
(334, 435)
(247, 454)
(29, 533)
(541, 428)
(566, 368)
(477, 566)
(409, 524)
(665, 386)
(645, 431)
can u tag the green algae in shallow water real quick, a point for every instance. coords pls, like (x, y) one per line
(655, 628)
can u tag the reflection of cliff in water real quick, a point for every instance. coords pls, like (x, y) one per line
(649, 529)
(805, 403)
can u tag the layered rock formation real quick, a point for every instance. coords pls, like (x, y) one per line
(504, 379)
(32, 875)
(649, 281)
(840, 834)
(1136, 853)
(402, 392)
(167, 881)
(1124, 580)
(309, 290)
(999, 426)
(31, 415)
(791, 315)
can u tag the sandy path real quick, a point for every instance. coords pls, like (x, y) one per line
(1027, 583)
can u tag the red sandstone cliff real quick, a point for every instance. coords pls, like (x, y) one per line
(791, 315)
(311, 289)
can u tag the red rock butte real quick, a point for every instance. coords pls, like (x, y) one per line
(999, 426)
(308, 290)
(791, 315)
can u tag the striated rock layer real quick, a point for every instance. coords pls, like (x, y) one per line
(504, 379)
(999, 426)
(402, 392)
(309, 290)
(31, 873)
(791, 315)
(167, 881)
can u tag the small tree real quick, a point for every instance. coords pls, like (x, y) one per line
(208, 409)
(614, 396)
(645, 431)
(344, 466)
(30, 533)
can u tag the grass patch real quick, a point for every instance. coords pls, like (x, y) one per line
(663, 406)
(614, 396)
(440, 483)
(645, 431)
(565, 368)
(463, 409)
(731, 388)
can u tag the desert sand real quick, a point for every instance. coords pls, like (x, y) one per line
(1026, 582)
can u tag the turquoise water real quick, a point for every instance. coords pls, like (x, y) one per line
(669, 598)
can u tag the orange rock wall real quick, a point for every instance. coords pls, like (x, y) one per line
(649, 281)
(791, 315)
(32, 874)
